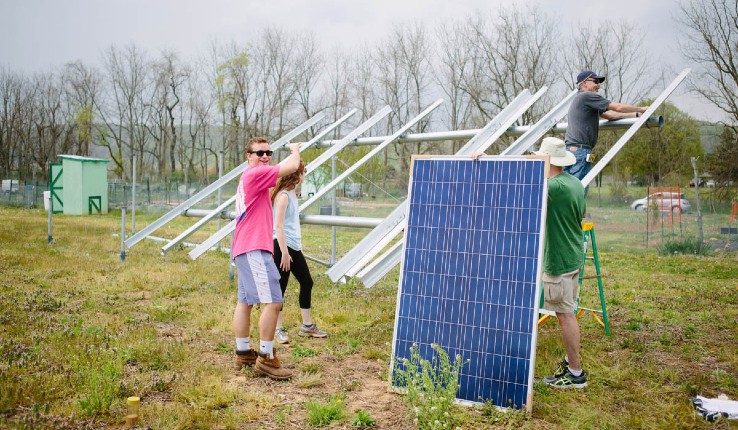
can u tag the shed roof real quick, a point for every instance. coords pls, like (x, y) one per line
(83, 159)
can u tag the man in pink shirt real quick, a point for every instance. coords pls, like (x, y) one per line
(252, 250)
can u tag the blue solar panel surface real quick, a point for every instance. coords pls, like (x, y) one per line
(470, 271)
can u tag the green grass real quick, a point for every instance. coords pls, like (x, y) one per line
(321, 414)
(80, 331)
(363, 419)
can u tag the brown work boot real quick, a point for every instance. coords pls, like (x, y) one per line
(245, 358)
(271, 367)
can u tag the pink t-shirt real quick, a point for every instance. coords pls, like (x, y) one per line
(254, 210)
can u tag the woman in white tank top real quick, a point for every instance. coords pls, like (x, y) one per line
(288, 252)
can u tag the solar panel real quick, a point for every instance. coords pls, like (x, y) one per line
(470, 273)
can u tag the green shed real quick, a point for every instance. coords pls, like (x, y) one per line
(79, 185)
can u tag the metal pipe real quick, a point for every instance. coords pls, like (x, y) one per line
(337, 220)
(333, 211)
(123, 234)
(221, 168)
(324, 263)
(653, 121)
(51, 211)
(133, 197)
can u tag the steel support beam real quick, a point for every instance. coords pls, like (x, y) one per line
(527, 140)
(369, 155)
(370, 246)
(217, 211)
(375, 271)
(196, 226)
(358, 131)
(223, 232)
(327, 130)
(483, 140)
(516, 130)
(215, 185)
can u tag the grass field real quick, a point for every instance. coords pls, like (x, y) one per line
(82, 330)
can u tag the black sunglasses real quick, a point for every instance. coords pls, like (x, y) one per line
(262, 153)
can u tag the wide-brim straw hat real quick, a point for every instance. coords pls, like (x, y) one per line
(556, 149)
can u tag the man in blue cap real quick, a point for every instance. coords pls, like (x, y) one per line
(585, 112)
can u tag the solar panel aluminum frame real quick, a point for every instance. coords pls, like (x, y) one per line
(538, 273)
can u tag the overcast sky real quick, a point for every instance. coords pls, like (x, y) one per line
(37, 35)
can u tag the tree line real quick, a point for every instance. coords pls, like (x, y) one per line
(181, 116)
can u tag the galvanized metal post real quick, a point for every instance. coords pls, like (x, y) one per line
(123, 234)
(700, 234)
(51, 211)
(333, 211)
(133, 198)
(221, 167)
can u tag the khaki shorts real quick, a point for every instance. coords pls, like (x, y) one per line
(560, 292)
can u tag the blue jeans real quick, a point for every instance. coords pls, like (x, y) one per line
(581, 167)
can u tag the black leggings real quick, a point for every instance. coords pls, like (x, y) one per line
(299, 268)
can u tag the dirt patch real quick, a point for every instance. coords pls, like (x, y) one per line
(722, 246)
(360, 379)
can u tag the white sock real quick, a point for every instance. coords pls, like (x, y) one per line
(266, 347)
(242, 344)
(575, 372)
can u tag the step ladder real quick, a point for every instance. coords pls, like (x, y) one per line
(599, 314)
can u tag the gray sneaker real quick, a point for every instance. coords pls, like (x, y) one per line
(567, 380)
(281, 335)
(312, 330)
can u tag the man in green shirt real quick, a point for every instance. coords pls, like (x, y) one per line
(562, 257)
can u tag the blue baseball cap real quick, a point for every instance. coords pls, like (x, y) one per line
(587, 74)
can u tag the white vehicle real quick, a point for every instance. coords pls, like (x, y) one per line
(663, 201)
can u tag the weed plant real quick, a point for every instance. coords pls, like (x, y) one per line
(431, 387)
(689, 245)
(363, 419)
(102, 384)
(321, 414)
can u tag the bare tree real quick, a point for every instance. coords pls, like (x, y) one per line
(337, 84)
(274, 79)
(170, 76)
(615, 50)
(362, 85)
(50, 126)
(404, 79)
(82, 86)
(196, 115)
(513, 51)
(123, 112)
(710, 39)
(237, 92)
(307, 73)
(12, 100)
(453, 62)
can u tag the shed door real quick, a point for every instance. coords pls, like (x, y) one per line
(56, 187)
